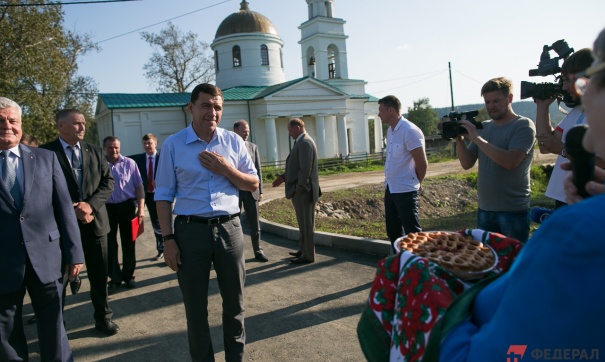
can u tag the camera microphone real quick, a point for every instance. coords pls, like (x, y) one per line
(582, 161)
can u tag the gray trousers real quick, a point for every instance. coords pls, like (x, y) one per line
(304, 206)
(251, 209)
(201, 246)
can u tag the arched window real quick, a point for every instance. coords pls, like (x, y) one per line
(216, 60)
(264, 55)
(331, 63)
(237, 57)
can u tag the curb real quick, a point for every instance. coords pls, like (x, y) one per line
(353, 243)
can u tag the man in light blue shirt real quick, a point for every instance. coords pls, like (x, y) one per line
(201, 169)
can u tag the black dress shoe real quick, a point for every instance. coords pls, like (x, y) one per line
(300, 261)
(130, 284)
(113, 287)
(75, 285)
(296, 254)
(260, 256)
(108, 327)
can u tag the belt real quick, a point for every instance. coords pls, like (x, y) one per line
(207, 220)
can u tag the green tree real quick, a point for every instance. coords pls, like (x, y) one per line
(38, 58)
(179, 60)
(423, 116)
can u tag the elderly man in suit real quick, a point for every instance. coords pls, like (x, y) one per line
(249, 199)
(90, 183)
(302, 186)
(39, 235)
(147, 162)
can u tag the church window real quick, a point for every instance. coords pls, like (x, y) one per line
(237, 57)
(264, 55)
(281, 58)
(216, 60)
(331, 63)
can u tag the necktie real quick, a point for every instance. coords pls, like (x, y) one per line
(9, 178)
(76, 165)
(150, 175)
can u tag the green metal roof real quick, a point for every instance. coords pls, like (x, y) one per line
(246, 93)
(144, 100)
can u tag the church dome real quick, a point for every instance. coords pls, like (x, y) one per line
(245, 21)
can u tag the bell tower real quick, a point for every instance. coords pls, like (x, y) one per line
(323, 42)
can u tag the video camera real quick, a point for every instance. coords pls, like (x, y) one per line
(450, 128)
(548, 66)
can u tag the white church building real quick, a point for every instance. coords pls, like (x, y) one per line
(250, 71)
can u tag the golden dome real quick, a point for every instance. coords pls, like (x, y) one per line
(245, 21)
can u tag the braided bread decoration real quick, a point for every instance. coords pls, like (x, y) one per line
(453, 251)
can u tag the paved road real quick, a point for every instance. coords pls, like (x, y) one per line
(347, 180)
(293, 313)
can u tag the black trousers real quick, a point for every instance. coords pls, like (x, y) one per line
(120, 216)
(95, 257)
(401, 213)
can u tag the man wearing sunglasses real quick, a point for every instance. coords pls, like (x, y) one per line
(553, 140)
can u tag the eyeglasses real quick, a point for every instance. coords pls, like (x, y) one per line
(580, 80)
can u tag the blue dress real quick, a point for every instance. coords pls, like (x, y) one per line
(552, 300)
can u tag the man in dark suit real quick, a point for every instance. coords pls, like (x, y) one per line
(249, 199)
(39, 235)
(90, 184)
(147, 163)
(302, 187)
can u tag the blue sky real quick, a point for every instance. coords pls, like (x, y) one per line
(399, 47)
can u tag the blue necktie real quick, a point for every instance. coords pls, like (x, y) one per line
(9, 179)
(76, 165)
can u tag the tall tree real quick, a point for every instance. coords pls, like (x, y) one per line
(179, 60)
(38, 58)
(423, 116)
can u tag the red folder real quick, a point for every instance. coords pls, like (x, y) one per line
(136, 228)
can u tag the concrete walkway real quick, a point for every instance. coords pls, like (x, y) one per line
(293, 312)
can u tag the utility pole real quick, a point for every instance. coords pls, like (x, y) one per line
(449, 65)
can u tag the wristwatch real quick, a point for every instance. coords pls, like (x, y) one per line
(564, 152)
(168, 237)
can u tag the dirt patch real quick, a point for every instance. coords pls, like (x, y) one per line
(438, 198)
(359, 211)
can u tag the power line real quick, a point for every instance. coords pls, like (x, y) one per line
(71, 3)
(408, 84)
(163, 21)
(434, 72)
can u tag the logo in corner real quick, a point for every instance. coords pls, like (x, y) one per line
(515, 352)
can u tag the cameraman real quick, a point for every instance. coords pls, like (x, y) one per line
(553, 140)
(504, 148)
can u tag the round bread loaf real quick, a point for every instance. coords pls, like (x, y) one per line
(453, 251)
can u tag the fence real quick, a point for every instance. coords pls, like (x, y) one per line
(338, 163)
(271, 169)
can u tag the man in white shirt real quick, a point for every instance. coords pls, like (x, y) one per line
(404, 169)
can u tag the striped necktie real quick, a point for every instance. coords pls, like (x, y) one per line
(9, 178)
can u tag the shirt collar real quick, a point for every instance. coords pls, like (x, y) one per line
(300, 136)
(65, 144)
(191, 136)
(15, 151)
(120, 159)
(399, 123)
